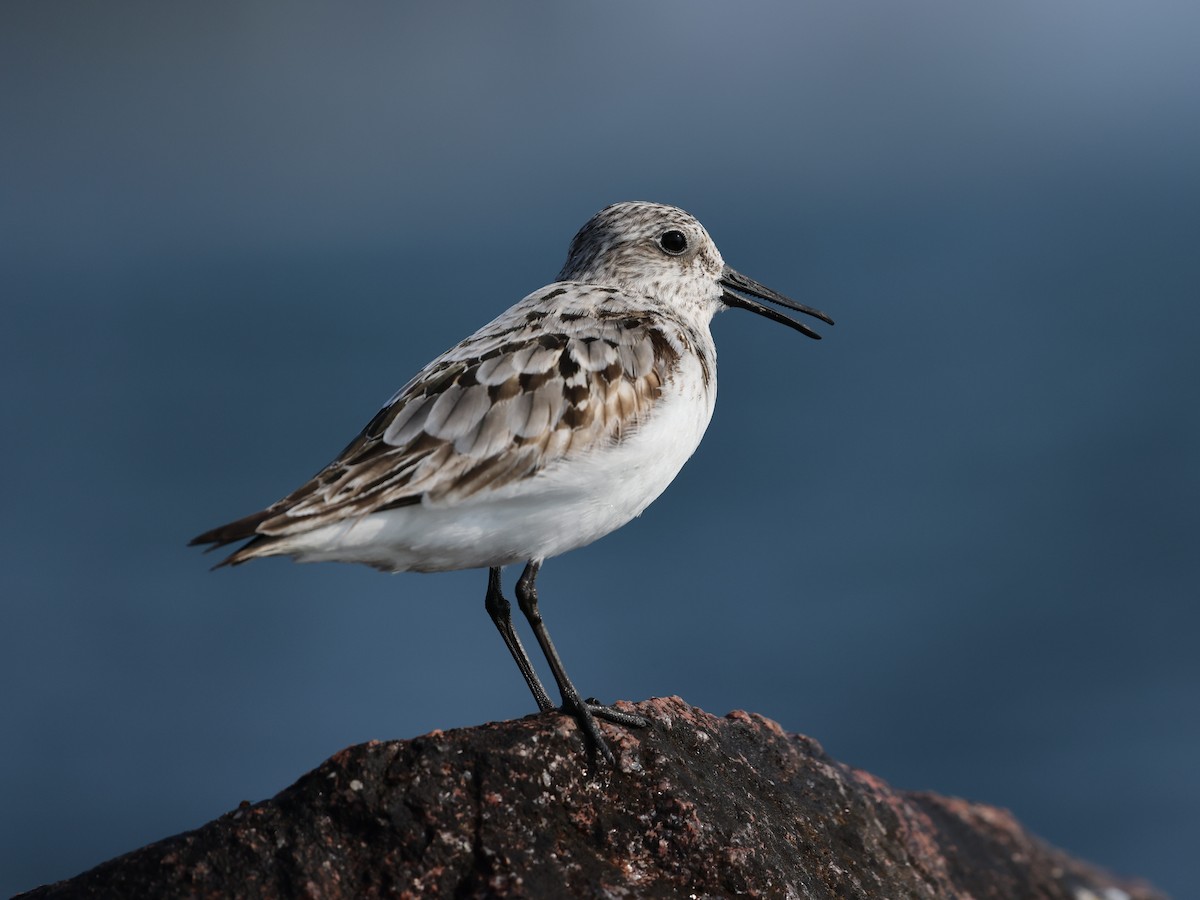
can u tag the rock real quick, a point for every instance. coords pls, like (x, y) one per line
(699, 806)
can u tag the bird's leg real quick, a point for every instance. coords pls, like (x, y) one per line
(584, 711)
(500, 610)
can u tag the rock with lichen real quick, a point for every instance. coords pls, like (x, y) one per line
(697, 806)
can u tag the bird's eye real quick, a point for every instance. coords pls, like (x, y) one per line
(673, 241)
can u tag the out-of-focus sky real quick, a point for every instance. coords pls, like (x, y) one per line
(956, 541)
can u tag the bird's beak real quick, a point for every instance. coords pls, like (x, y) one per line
(733, 281)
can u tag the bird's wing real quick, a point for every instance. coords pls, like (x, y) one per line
(569, 369)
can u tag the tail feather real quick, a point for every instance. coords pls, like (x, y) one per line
(239, 530)
(245, 527)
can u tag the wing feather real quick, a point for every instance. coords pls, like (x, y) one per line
(533, 387)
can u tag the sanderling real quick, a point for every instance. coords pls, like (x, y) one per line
(546, 429)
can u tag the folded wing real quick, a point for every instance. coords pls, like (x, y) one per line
(525, 391)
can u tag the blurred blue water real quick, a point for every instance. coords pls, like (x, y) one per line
(955, 541)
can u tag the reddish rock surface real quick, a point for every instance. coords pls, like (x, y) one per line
(700, 806)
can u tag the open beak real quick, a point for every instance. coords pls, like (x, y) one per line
(735, 281)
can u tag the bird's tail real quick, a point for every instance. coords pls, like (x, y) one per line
(231, 532)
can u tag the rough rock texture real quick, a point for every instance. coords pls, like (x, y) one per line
(700, 806)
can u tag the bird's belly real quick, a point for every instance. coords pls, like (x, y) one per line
(567, 505)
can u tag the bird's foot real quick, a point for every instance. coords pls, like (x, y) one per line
(587, 711)
(615, 715)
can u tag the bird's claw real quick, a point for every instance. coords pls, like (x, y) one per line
(586, 712)
(609, 714)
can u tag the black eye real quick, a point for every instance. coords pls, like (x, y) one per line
(673, 241)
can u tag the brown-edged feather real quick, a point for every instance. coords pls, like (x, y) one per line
(524, 391)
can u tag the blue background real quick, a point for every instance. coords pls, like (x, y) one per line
(956, 541)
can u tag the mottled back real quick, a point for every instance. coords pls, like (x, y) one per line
(530, 388)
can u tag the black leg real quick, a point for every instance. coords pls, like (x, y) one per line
(584, 711)
(501, 612)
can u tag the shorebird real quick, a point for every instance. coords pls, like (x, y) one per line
(549, 427)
